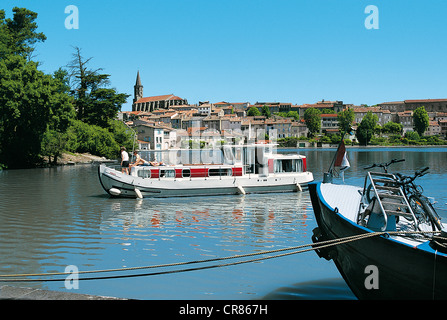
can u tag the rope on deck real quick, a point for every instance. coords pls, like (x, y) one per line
(313, 246)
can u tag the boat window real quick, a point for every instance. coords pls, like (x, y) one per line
(144, 173)
(238, 154)
(186, 173)
(228, 154)
(288, 165)
(219, 172)
(167, 173)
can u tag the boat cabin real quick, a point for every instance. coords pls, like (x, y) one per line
(232, 160)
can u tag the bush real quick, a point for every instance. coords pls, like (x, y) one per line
(412, 135)
(83, 138)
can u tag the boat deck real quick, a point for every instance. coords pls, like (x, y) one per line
(345, 197)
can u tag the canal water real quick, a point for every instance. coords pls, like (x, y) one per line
(58, 217)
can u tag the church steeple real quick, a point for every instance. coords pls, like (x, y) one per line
(138, 89)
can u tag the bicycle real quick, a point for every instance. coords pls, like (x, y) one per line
(369, 194)
(420, 204)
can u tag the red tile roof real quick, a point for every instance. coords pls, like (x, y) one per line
(425, 100)
(159, 98)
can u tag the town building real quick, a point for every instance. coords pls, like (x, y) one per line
(383, 115)
(431, 105)
(152, 103)
(334, 106)
(274, 107)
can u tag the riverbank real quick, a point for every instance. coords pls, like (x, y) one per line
(80, 158)
(19, 293)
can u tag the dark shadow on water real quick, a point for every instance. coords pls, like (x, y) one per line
(326, 289)
(102, 195)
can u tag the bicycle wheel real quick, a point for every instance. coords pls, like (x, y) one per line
(424, 212)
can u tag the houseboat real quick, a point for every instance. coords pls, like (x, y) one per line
(235, 169)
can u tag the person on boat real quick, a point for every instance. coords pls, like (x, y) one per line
(155, 163)
(139, 161)
(124, 161)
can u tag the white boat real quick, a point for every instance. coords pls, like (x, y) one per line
(236, 169)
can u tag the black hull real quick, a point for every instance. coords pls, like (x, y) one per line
(404, 272)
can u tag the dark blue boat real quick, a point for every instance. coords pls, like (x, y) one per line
(383, 264)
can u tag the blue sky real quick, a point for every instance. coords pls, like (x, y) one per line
(298, 51)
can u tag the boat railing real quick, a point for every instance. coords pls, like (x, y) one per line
(391, 192)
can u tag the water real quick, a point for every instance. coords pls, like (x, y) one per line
(52, 218)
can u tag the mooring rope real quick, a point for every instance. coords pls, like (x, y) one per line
(313, 246)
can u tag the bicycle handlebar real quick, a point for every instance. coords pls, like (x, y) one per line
(384, 165)
(407, 179)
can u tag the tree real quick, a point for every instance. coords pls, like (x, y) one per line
(17, 35)
(293, 114)
(29, 104)
(253, 111)
(392, 128)
(412, 135)
(345, 119)
(95, 104)
(421, 121)
(313, 120)
(265, 111)
(33, 108)
(366, 128)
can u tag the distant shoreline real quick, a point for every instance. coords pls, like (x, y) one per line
(366, 147)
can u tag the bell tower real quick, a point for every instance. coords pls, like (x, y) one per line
(138, 89)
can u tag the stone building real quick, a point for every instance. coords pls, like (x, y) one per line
(431, 105)
(150, 104)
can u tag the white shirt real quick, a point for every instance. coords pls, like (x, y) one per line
(124, 156)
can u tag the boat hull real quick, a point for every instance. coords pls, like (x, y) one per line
(403, 271)
(122, 185)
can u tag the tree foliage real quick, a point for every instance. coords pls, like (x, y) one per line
(345, 119)
(313, 120)
(253, 111)
(265, 111)
(37, 114)
(421, 121)
(29, 104)
(291, 114)
(95, 104)
(18, 35)
(366, 128)
(392, 128)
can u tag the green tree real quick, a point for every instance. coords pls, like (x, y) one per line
(293, 114)
(421, 121)
(412, 135)
(29, 104)
(313, 120)
(265, 111)
(366, 128)
(34, 108)
(345, 119)
(18, 35)
(95, 104)
(253, 111)
(392, 128)
(53, 144)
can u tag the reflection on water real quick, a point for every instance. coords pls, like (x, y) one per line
(325, 289)
(51, 218)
